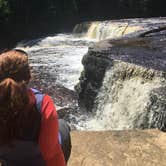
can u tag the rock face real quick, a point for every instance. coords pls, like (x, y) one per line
(128, 77)
(118, 148)
(148, 52)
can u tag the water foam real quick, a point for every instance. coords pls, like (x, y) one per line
(124, 104)
(60, 55)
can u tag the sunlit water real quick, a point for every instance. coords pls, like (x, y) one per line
(56, 65)
(58, 57)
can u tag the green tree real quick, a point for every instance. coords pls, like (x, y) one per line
(4, 10)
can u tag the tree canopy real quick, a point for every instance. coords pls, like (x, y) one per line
(28, 10)
(24, 17)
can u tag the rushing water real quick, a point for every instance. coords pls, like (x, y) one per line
(57, 57)
(128, 104)
(56, 67)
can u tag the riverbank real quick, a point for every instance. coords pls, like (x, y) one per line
(118, 148)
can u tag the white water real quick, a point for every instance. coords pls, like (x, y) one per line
(102, 31)
(57, 60)
(121, 104)
(118, 28)
(60, 55)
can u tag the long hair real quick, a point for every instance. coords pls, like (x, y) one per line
(14, 96)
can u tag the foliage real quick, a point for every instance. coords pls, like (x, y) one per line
(4, 10)
(28, 10)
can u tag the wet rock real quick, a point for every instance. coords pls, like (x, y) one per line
(148, 52)
(63, 111)
(61, 95)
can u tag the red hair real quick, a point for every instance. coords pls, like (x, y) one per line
(14, 96)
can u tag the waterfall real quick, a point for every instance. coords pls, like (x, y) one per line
(112, 29)
(129, 103)
(131, 96)
(105, 30)
(121, 103)
(93, 30)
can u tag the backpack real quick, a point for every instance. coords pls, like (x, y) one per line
(64, 129)
(30, 154)
(39, 98)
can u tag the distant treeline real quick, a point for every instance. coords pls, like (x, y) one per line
(106, 9)
(26, 18)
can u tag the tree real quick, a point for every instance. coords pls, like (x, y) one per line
(4, 10)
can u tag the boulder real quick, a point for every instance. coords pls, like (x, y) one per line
(118, 148)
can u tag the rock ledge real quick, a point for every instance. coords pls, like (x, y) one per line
(118, 148)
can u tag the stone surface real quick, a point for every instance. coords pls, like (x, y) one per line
(118, 148)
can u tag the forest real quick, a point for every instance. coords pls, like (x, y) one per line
(27, 18)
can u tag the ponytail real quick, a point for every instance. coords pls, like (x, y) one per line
(13, 100)
(17, 112)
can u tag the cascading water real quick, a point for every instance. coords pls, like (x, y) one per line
(56, 67)
(117, 28)
(58, 57)
(107, 30)
(126, 103)
(56, 63)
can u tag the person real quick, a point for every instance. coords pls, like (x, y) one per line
(28, 136)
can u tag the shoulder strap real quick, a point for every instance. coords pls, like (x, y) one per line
(39, 98)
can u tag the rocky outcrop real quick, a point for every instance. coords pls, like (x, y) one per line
(148, 52)
(127, 75)
(118, 148)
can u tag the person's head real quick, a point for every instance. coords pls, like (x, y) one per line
(14, 64)
(14, 77)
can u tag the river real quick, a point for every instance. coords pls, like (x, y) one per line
(56, 65)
